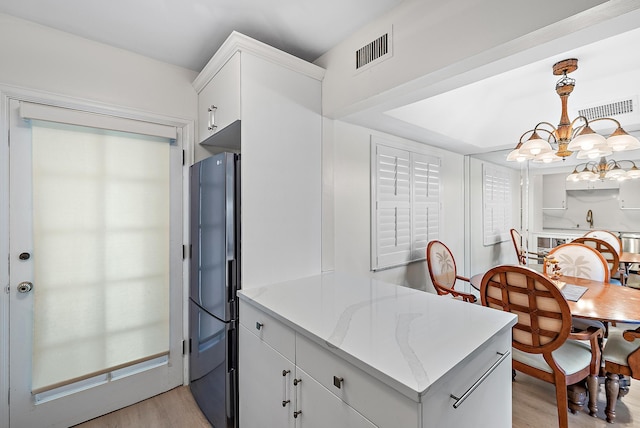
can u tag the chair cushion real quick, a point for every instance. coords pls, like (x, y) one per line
(583, 324)
(617, 349)
(572, 357)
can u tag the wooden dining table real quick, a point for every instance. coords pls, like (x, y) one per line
(602, 301)
(627, 259)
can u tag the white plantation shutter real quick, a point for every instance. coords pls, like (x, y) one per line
(426, 202)
(405, 212)
(496, 195)
(393, 216)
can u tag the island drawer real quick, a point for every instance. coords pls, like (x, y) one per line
(273, 332)
(378, 402)
(469, 393)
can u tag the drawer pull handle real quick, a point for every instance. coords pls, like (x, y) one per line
(460, 400)
(296, 414)
(259, 325)
(337, 382)
(285, 401)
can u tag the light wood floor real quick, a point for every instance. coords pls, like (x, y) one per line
(173, 409)
(533, 406)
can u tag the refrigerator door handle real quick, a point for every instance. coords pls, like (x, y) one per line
(230, 207)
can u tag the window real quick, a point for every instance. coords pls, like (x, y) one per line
(405, 209)
(496, 195)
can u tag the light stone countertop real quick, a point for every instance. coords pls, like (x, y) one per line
(404, 337)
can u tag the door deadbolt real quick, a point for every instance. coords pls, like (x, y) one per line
(25, 287)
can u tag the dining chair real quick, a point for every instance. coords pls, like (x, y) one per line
(442, 270)
(608, 252)
(521, 252)
(542, 342)
(582, 261)
(612, 239)
(606, 236)
(621, 356)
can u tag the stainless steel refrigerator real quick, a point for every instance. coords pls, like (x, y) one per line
(214, 280)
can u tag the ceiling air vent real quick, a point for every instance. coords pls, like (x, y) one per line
(374, 52)
(616, 108)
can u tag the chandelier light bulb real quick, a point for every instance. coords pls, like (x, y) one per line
(587, 139)
(620, 140)
(634, 172)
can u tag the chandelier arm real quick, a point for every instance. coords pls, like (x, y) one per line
(551, 133)
(606, 118)
(522, 136)
(578, 129)
(537, 127)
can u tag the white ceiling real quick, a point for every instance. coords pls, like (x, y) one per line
(482, 117)
(492, 114)
(188, 32)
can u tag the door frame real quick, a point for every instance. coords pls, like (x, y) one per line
(185, 137)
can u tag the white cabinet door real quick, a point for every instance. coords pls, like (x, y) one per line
(319, 408)
(489, 405)
(265, 380)
(630, 194)
(219, 100)
(554, 194)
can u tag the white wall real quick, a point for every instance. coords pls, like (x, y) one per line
(348, 162)
(483, 257)
(433, 41)
(604, 204)
(43, 59)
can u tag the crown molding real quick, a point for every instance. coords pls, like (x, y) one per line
(238, 42)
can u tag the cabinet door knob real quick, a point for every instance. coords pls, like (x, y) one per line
(296, 382)
(296, 414)
(259, 325)
(337, 382)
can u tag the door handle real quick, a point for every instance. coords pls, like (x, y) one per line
(25, 287)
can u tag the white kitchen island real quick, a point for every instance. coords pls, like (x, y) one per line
(334, 350)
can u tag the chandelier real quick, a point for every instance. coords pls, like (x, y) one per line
(570, 136)
(604, 170)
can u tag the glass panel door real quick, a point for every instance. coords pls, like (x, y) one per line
(92, 270)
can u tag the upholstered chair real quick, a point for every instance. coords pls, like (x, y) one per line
(443, 272)
(606, 236)
(621, 356)
(542, 343)
(581, 261)
(608, 252)
(521, 252)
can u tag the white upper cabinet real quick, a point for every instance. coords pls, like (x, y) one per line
(554, 194)
(630, 195)
(219, 100)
